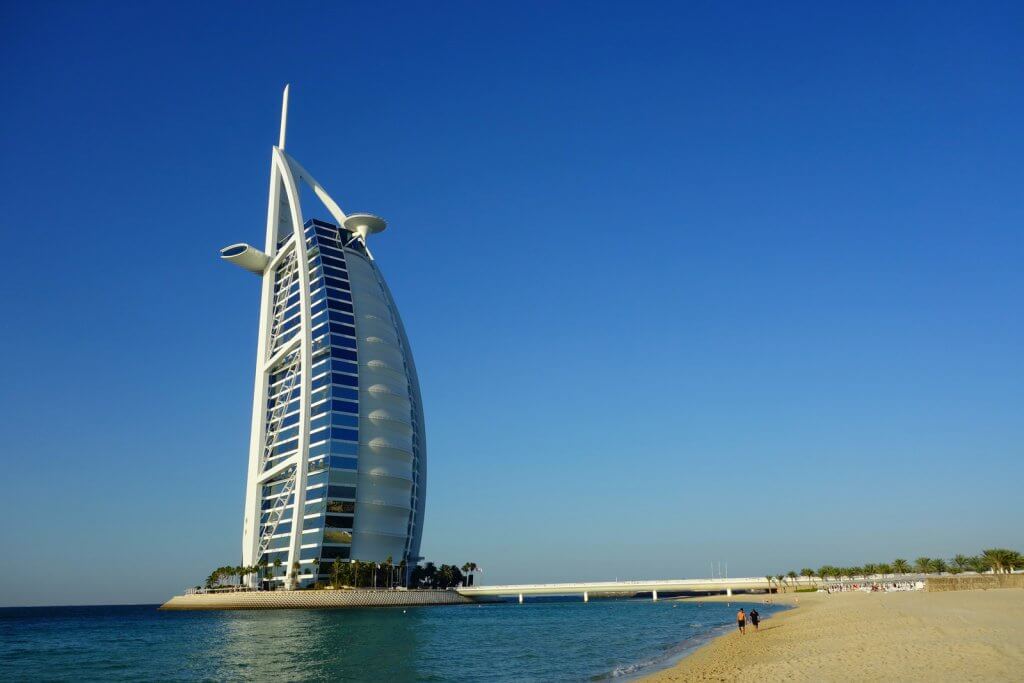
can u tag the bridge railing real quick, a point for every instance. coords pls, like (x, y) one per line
(582, 585)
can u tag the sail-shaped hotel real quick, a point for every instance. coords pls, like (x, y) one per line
(337, 456)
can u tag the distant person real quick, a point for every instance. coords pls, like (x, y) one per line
(741, 621)
(755, 618)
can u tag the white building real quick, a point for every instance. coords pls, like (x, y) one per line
(337, 456)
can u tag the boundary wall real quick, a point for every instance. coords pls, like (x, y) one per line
(939, 584)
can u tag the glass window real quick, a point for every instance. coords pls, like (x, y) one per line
(344, 448)
(282, 528)
(344, 420)
(341, 306)
(330, 261)
(343, 463)
(334, 282)
(344, 406)
(344, 366)
(342, 392)
(337, 536)
(285, 434)
(337, 320)
(342, 491)
(342, 353)
(336, 552)
(346, 434)
(338, 521)
(342, 506)
(284, 448)
(338, 292)
(345, 380)
(276, 556)
(317, 319)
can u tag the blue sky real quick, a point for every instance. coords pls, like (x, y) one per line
(683, 282)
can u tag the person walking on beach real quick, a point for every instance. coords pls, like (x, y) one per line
(741, 621)
(755, 618)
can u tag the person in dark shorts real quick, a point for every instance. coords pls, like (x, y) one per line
(741, 621)
(755, 618)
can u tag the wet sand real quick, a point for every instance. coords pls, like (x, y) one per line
(954, 636)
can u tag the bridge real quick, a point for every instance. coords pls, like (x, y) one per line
(586, 589)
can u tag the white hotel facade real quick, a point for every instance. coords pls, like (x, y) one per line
(337, 456)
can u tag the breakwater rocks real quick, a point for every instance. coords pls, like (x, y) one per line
(314, 599)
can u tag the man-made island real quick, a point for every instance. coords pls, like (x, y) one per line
(314, 599)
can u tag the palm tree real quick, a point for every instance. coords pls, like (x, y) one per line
(1001, 560)
(885, 568)
(791, 575)
(356, 566)
(961, 562)
(336, 572)
(870, 569)
(263, 568)
(923, 564)
(978, 564)
(1014, 559)
(900, 566)
(295, 575)
(430, 574)
(938, 566)
(781, 581)
(808, 573)
(316, 570)
(770, 579)
(277, 565)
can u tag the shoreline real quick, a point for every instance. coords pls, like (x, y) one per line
(689, 647)
(969, 635)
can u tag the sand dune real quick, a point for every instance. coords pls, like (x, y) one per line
(956, 636)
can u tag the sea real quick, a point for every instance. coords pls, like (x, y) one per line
(544, 639)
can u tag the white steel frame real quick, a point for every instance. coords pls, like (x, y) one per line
(284, 174)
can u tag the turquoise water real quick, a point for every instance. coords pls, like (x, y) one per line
(542, 640)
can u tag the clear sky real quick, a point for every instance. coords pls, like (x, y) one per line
(684, 281)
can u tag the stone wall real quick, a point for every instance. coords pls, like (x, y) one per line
(314, 599)
(973, 582)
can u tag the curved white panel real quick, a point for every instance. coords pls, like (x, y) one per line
(384, 496)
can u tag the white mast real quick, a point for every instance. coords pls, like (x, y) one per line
(284, 116)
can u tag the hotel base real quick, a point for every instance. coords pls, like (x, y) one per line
(314, 599)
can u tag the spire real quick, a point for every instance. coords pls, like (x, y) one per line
(284, 116)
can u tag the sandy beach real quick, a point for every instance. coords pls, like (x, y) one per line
(954, 636)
